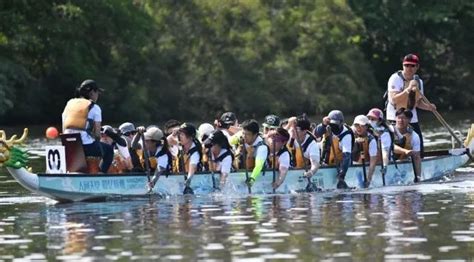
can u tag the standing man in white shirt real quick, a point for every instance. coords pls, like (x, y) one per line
(399, 92)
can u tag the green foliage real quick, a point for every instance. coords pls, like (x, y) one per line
(195, 59)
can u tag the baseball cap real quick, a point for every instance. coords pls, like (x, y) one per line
(361, 120)
(375, 113)
(271, 121)
(153, 133)
(228, 118)
(411, 59)
(89, 85)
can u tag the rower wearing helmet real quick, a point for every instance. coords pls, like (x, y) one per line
(365, 146)
(337, 141)
(204, 131)
(221, 156)
(190, 155)
(272, 122)
(157, 148)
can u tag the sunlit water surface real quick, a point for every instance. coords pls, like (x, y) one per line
(432, 221)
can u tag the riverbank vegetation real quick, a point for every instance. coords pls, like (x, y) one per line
(195, 59)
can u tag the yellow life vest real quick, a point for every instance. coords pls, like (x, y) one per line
(118, 165)
(335, 153)
(362, 147)
(276, 165)
(185, 158)
(296, 154)
(405, 143)
(213, 163)
(251, 154)
(75, 113)
(151, 160)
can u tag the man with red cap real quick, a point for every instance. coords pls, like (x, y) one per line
(400, 92)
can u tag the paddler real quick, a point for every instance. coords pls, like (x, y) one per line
(84, 116)
(160, 156)
(365, 146)
(401, 94)
(280, 157)
(337, 141)
(407, 142)
(256, 151)
(221, 156)
(190, 155)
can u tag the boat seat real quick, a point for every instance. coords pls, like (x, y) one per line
(75, 157)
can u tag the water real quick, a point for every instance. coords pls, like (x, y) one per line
(433, 221)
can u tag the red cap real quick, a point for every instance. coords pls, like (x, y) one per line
(411, 59)
(375, 113)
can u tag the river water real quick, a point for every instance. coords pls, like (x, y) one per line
(428, 221)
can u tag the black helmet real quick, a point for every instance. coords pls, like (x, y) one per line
(216, 138)
(188, 129)
(90, 85)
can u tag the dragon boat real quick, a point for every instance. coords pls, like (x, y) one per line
(67, 186)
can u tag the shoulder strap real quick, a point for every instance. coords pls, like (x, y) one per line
(348, 131)
(221, 157)
(308, 141)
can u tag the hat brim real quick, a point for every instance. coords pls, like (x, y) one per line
(410, 63)
(269, 126)
(335, 122)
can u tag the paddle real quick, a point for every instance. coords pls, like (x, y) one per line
(244, 154)
(416, 180)
(209, 159)
(363, 168)
(146, 159)
(274, 166)
(187, 188)
(382, 170)
(445, 124)
(310, 186)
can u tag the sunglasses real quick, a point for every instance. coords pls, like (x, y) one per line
(409, 65)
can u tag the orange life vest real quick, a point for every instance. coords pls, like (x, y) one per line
(251, 154)
(331, 143)
(213, 163)
(185, 158)
(361, 149)
(404, 142)
(276, 165)
(76, 112)
(118, 165)
(296, 154)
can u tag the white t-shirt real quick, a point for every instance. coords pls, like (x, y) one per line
(262, 151)
(312, 151)
(194, 158)
(385, 140)
(284, 159)
(96, 115)
(346, 144)
(395, 84)
(225, 165)
(373, 147)
(415, 140)
(123, 151)
(161, 161)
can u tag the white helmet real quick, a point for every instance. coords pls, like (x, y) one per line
(361, 120)
(204, 129)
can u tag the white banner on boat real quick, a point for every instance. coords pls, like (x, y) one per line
(55, 159)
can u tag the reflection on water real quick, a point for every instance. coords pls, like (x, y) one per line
(370, 225)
